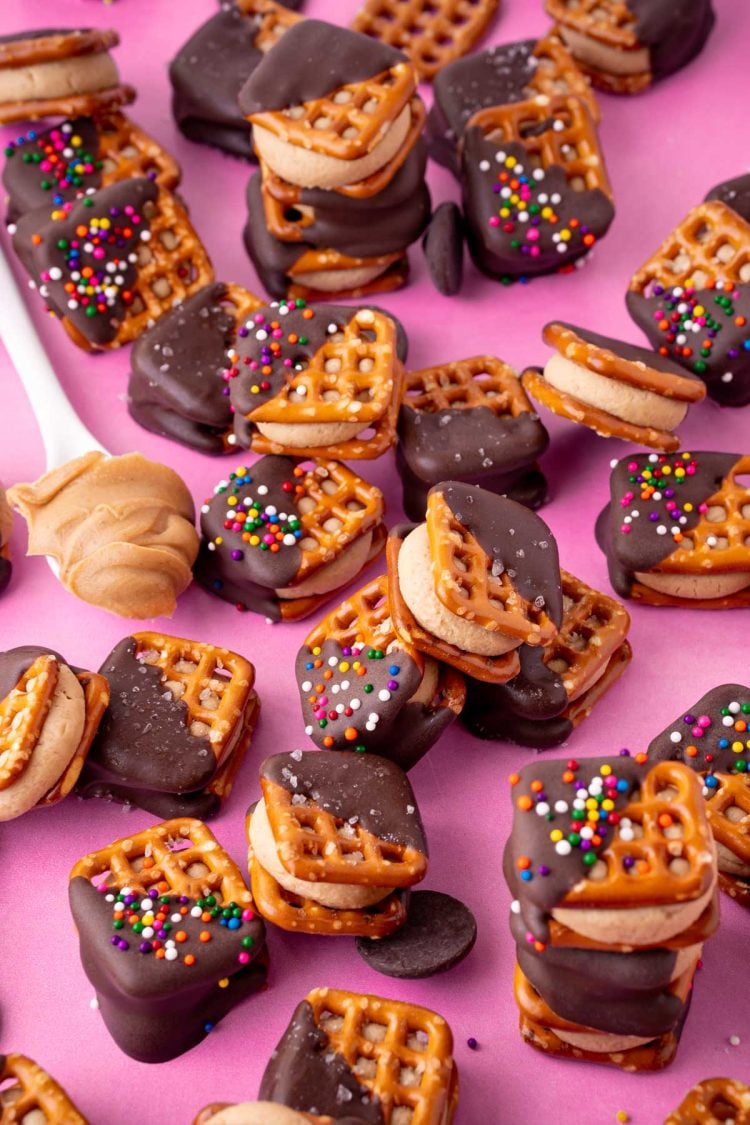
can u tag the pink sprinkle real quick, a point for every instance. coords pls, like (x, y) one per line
(704, 721)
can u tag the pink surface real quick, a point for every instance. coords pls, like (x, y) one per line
(664, 151)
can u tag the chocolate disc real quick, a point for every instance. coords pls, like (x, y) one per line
(443, 246)
(439, 932)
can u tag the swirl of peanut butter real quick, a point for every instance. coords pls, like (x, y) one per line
(120, 528)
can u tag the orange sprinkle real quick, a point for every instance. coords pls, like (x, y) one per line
(539, 946)
(523, 863)
(190, 960)
(524, 803)
(308, 314)
(536, 786)
(350, 734)
(514, 778)
(180, 936)
(665, 820)
(148, 861)
(328, 674)
(568, 776)
(205, 917)
(692, 751)
(643, 866)
(36, 239)
(328, 741)
(641, 758)
(160, 954)
(205, 936)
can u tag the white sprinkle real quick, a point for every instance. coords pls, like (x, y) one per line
(675, 736)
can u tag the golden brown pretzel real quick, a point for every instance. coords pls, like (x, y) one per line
(215, 685)
(709, 249)
(674, 857)
(712, 1101)
(574, 146)
(96, 700)
(311, 845)
(608, 21)
(399, 1038)
(271, 20)
(557, 73)
(465, 583)
(489, 669)
(289, 194)
(728, 809)
(593, 630)
(432, 33)
(350, 121)
(127, 152)
(180, 856)
(33, 1092)
(22, 716)
(466, 384)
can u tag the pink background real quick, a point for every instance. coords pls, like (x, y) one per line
(664, 150)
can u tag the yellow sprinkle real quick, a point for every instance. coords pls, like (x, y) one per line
(605, 771)
(224, 982)
(232, 501)
(357, 665)
(316, 651)
(254, 540)
(608, 805)
(687, 507)
(344, 666)
(219, 540)
(737, 747)
(565, 235)
(622, 1115)
(510, 162)
(555, 835)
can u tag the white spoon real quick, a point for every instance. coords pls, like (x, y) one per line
(64, 435)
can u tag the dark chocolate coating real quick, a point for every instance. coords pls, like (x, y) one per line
(251, 579)
(630, 352)
(102, 328)
(312, 60)
(443, 246)
(726, 370)
(16, 661)
(735, 193)
(439, 932)
(530, 835)
(207, 74)
(708, 726)
(23, 177)
(481, 79)
(203, 804)
(527, 486)
(512, 537)
(305, 1074)
(362, 228)
(176, 387)
(274, 259)
(143, 740)
(474, 446)
(158, 1009)
(675, 31)
(6, 571)
(492, 246)
(348, 785)
(642, 547)
(527, 710)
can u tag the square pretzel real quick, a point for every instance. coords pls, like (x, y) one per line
(180, 856)
(714, 1100)
(350, 121)
(467, 384)
(560, 132)
(466, 584)
(316, 846)
(610, 22)
(432, 33)
(296, 914)
(402, 1053)
(709, 249)
(215, 685)
(593, 629)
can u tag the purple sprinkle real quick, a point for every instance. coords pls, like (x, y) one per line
(653, 516)
(115, 939)
(543, 869)
(628, 861)
(689, 719)
(123, 944)
(144, 947)
(392, 685)
(243, 331)
(237, 555)
(624, 753)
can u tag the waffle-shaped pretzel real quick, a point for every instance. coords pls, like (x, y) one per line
(318, 847)
(709, 249)
(610, 22)
(289, 194)
(557, 73)
(335, 507)
(271, 20)
(594, 627)
(489, 669)
(22, 716)
(364, 619)
(350, 121)
(673, 858)
(126, 152)
(222, 783)
(180, 856)
(467, 384)
(559, 132)
(214, 684)
(34, 1095)
(432, 33)
(96, 699)
(403, 1054)
(349, 379)
(719, 541)
(728, 809)
(465, 583)
(712, 1101)
(295, 914)
(582, 706)
(171, 266)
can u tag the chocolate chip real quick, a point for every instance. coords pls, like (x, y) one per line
(443, 246)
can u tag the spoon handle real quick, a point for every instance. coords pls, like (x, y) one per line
(63, 433)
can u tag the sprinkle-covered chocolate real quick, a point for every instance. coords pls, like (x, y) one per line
(713, 736)
(52, 166)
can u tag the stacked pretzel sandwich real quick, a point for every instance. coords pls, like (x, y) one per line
(340, 194)
(613, 872)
